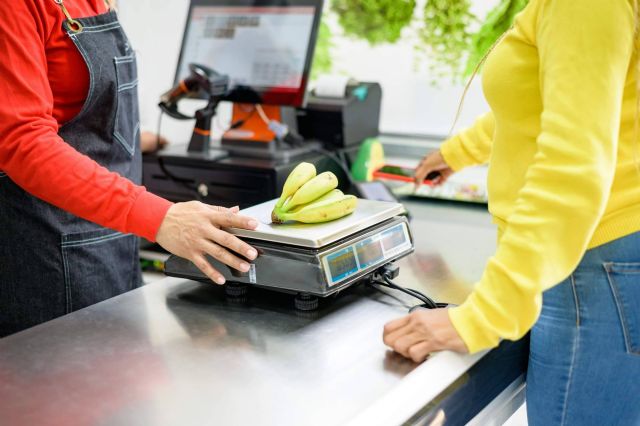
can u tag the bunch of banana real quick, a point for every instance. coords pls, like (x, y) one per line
(308, 198)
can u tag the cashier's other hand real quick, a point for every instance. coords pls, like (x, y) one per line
(192, 230)
(433, 162)
(422, 332)
(150, 142)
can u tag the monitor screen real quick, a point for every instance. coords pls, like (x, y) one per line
(265, 47)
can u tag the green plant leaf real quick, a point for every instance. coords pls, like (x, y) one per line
(444, 37)
(376, 21)
(498, 20)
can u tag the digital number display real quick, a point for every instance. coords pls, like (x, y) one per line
(342, 264)
(393, 238)
(366, 254)
(369, 252)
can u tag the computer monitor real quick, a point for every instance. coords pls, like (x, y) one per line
(265, 46)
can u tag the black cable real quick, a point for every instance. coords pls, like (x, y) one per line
(242, 121)
(401, 289)
(187, 183)
(424, 299)
(427, 302)
(418, 294)
(339, 162)
(159, 128)
(161, 160)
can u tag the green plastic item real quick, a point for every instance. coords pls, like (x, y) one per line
(369, 159)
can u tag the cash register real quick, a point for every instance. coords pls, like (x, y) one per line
(256, 54)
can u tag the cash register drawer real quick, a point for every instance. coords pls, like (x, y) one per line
(223, 186)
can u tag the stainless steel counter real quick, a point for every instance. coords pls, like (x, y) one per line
(179, 352)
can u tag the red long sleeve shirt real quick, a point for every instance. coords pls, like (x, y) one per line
(43, 84)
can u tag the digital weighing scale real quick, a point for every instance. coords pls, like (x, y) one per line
(314, 259)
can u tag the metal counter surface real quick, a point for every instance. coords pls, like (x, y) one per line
(178, 352)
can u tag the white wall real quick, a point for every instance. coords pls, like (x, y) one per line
(155, 31)
(411, 103)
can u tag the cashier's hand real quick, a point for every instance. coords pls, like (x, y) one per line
(150, 142)
(192, 230)
(422, 332)
(433, 162)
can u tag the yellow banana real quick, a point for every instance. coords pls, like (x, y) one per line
(312, 190)
(323, 211)
(303, 173)
(334, 195)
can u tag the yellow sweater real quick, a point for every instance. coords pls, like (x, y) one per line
(562, 149)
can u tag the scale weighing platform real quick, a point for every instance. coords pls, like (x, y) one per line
(313, 259)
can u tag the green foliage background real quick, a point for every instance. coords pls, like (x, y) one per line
(495, 24)
(322, 61)
(377, 21)
(445, 36)
(446, 33)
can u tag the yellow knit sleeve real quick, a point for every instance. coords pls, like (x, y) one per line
(471, 146)
(584, 49)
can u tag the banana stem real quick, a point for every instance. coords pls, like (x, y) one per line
(275, 216)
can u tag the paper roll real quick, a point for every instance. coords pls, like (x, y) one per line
(332, 86)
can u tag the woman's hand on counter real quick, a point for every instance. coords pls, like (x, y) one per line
(433, 162)
(192, 230)
(422, 332)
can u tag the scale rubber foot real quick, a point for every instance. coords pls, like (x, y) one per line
(305, 302)
(236, 290)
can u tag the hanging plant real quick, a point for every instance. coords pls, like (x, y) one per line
(377, 21)
(322, 62)
(444, 38)
(497, 22)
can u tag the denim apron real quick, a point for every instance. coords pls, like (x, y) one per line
(52, 262)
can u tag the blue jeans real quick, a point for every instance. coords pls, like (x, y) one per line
(584, 364)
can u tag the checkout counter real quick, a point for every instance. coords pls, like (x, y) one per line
(181, 352)
(184, 352)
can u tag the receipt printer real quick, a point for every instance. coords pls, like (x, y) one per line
(342, 119)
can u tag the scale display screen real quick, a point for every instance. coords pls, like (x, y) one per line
(369, 252)
(366, 254)
(342, 264)
(393, 238)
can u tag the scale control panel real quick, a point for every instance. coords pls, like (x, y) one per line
(367, 254)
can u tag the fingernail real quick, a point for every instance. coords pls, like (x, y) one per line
(220, 280)
(253, 224)
(244, 267)
(252, 254)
